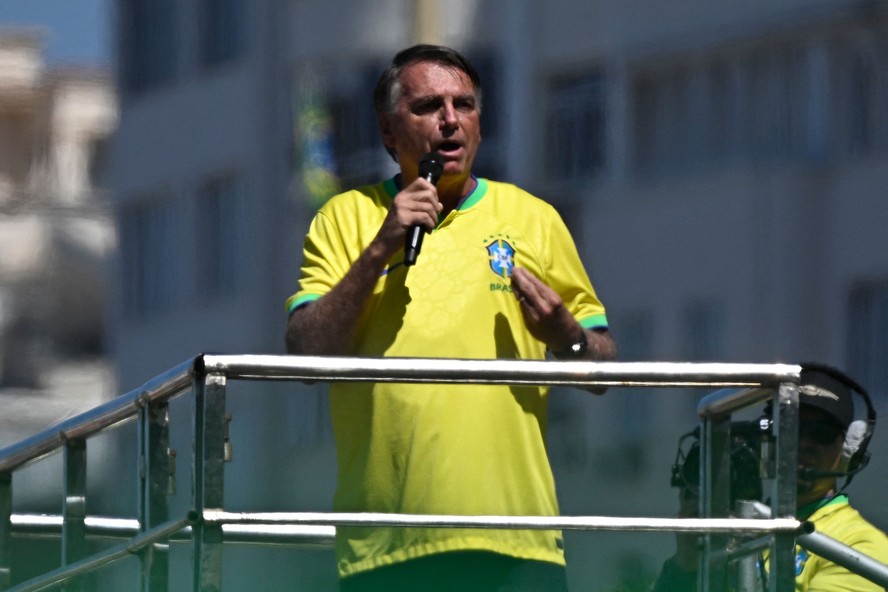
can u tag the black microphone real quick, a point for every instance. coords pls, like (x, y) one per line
(431, 167)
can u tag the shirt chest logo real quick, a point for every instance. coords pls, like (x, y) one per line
(501, 256)
(800, 561)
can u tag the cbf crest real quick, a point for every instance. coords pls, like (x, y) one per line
(502, 257)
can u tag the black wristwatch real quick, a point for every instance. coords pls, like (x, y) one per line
(577, 349)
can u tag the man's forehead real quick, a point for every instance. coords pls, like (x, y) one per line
(811, 413)
(433, 78)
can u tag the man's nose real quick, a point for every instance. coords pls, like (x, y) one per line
(449, 116)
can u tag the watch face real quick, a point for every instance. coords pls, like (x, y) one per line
(575, 350)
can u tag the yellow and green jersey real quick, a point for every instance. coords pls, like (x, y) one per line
(445, 449)
(834, 518)
(838, 520)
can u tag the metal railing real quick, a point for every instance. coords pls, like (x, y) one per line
(207, 526)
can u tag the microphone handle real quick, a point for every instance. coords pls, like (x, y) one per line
(413, 245)
(415, 234)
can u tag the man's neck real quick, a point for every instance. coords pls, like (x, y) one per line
(451, 191)
(808, 508)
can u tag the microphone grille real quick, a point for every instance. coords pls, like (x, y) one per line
(431, 166)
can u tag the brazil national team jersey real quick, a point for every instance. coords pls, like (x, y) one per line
(839, 521)
(445, 449)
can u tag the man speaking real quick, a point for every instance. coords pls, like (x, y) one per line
(497, 276)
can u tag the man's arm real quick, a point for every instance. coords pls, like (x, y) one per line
(549, 321)
(327, 325)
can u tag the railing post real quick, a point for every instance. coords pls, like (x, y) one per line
(747, 567)
(74, 508)
(154, 476)
(208, 478)
(715, 499)
(5, 529)
(783, 495)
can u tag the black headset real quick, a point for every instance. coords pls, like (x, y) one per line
(855, 449)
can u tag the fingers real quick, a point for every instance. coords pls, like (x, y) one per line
(544, 312)
(533, 294)
(417, 204)
(521, 284)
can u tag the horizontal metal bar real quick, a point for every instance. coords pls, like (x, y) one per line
(841, 554)
(98, 527)
(515, 372)
(303, 536)
(108, 414)
(315, 527)
(726, 401)
(422, 370)
(699, 525)
(103, 558)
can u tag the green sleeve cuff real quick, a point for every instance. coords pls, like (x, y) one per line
(293, 302)
(598, 321)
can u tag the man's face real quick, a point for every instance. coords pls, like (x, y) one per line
(437, 110)
(820, 447)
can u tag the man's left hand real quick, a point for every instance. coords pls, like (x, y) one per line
(549, 320)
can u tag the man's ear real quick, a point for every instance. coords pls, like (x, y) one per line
(385, 130)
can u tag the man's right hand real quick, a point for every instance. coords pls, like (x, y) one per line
(415, 205)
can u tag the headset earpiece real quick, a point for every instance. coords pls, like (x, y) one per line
(854, 450)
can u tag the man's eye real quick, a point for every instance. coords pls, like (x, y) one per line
(426, 107)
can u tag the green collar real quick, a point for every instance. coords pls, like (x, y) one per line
(807, 511)
(474, 196)
(392, 186)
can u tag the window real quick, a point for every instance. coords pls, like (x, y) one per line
(99, 154)
(358, 149)
(777, 99)
(636, 345)
(867, 342)
(694, 111)
(622, 447)
(148, 257)
(721, 104)
(678, 115)
(703, 322)
(222, 31)
(859, 83)
(576, 135)
(490, 161)
(645, 104)
(220, 214)
(148, 37)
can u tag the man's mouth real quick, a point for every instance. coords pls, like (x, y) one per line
(449, 147)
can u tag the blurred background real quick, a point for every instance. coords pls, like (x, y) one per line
(723, 167)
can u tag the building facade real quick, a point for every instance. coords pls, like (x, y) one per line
(56, 235)
(721, 165)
